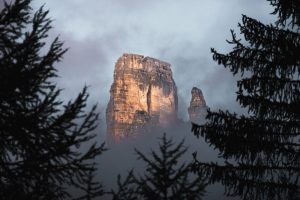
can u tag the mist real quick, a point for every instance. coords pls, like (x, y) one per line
(120, 158)
(97, 32)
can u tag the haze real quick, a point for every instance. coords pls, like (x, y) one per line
(181, 33)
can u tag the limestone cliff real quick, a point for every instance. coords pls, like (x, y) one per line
(143, 92)
(198, 109)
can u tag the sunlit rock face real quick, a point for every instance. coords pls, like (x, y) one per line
(198, 109)
(143, 93)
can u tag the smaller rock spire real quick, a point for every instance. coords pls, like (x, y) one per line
(198, 109)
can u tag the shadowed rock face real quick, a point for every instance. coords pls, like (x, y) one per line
(143, 93)
(198, 109)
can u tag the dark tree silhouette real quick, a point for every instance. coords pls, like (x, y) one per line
(92, 189)
(40, 136)
(128, 189)
(164, 179)
(261, 149)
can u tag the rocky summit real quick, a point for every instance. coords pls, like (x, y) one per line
(197, 109)
(143, 92)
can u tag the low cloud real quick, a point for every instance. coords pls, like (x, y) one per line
(181, 33)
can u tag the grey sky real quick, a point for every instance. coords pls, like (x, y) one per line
(179, 32)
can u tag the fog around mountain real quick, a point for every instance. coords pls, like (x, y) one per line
(121, 157)
(181, 33)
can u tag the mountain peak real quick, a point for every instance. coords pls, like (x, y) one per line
(143, 93)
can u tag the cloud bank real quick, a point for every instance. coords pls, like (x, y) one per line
(181, 33)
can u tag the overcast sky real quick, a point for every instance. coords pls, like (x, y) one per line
(97, 32)
(179, 32)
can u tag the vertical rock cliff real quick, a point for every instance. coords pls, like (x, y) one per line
(198, 109)
(143, 92)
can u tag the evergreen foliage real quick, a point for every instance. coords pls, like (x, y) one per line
(163, 178)
(127, 190)
(40, 137)
(261, 150)
(92, 189)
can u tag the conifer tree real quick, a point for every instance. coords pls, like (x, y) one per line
(261, 150)
(40, 136)
(164, 179)
(92, 189)
(127, 189)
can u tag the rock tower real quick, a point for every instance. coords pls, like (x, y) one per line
(143, 92)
